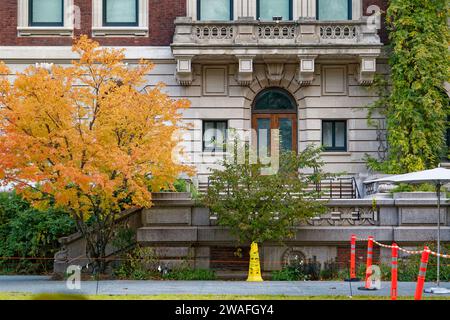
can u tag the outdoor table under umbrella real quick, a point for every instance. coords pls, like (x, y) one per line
(438, 177)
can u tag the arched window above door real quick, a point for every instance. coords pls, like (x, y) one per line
(275, 100)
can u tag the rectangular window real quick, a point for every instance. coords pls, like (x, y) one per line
(267, 9)
(334, 135)
(120, 13)
(215, 9)
(214, 135)
(44, 13)
(334, 9)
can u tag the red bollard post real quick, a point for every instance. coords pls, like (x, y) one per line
(369, 262)
(422, 273)
(394, 269)
(353, 257)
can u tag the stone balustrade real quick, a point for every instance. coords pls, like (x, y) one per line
(283, 33)
(247, 40)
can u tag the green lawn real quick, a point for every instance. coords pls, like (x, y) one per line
(27, 296)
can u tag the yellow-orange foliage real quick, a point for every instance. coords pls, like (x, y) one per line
(87, 134)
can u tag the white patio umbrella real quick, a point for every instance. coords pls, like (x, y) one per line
(438, 177)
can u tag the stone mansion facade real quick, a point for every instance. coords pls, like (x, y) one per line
(300, 66)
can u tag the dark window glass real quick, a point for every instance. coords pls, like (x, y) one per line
(286, 128)
(334, 135)
(215, 9)
(214, 136)
(46, 13)
(334, 9)
(275, 100)
(120, 13)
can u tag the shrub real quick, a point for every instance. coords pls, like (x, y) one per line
(141, 263)
(330, 270)
(190, 274)
(298, 270)
(408, 267)
(425, 187)
(285, 274)
(30, 234)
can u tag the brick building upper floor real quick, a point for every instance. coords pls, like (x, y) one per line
(151, 22)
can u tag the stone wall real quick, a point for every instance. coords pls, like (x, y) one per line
(315, 104)
(180, 230)
(319, 101)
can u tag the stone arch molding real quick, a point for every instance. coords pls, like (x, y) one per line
(262, 79)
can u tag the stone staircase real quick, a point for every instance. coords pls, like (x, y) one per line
(171, 228)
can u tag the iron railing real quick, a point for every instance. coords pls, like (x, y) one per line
(337, 188)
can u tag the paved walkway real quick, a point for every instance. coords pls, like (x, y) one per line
(36, 284)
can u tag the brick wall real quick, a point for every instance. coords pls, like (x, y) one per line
(343, 256)
(161, 17)
(230, 258)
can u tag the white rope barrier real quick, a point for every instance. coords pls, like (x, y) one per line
(406, 251)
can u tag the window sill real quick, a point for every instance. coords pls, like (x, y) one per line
(214, 153)
(44, 31)
(120, 31)
(336, 153)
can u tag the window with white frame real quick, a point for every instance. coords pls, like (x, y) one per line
(120, 12)
(215, 9)
(120, 18)
(45, 18)
(268, 9)
(334, 9)
(43, 13)
(334, 135)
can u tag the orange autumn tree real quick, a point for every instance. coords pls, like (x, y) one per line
(88, 138)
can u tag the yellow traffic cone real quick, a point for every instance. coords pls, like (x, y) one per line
(254, 270)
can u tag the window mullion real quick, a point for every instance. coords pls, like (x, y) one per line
(215, 136)
(333, 135)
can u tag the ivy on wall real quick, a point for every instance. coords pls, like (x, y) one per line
(416, 107)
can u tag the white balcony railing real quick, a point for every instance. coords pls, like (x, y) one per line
(251, 32)
(247, 40)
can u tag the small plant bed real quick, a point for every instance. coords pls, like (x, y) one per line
(141, 263)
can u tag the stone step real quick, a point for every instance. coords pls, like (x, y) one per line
(170, 196)
(167, 234)
(158, 216)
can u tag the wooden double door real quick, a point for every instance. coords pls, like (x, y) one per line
(286, 123)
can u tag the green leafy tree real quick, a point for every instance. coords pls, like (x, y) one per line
(257, 207)
(416, 106)
(28, 236)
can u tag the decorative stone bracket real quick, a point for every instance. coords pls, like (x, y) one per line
(307, 68)
(274, 71)
(244, 76)
(367, 70)
(185, 74)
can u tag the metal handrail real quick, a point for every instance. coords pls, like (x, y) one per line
(342, 191)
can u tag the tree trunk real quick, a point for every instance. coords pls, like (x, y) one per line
(98, 235)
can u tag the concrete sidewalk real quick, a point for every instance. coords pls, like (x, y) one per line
(36, 284)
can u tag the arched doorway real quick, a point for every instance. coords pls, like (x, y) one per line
(275, 108)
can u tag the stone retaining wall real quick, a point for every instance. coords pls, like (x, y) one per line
(181, 230)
